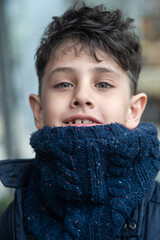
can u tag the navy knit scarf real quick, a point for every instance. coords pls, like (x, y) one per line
(87, 180)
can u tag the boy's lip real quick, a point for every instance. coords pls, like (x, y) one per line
(81, 117)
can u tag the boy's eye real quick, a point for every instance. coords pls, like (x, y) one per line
(63, 85)
(103, 85)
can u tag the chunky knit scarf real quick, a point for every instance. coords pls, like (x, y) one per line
(87, 180)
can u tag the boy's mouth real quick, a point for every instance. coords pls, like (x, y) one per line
(81, 120)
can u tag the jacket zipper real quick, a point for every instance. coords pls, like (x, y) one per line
(13, 220)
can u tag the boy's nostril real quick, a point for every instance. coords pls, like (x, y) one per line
(88, 103)
(76, 103)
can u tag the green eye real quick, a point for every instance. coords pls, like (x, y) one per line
(103, 85)
(63, 85)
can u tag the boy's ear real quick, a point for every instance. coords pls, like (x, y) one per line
(137, 106)
(36, 106)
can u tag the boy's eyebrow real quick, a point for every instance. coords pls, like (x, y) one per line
(107, 70)
(61, 69)
(70, 70)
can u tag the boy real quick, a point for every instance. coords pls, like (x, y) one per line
(95, 165)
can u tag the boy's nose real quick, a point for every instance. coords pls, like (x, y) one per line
(88, 103)
(82, 99)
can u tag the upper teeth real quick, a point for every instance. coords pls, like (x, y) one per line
(80, 121)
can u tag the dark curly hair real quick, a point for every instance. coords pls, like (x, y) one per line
(99, 29)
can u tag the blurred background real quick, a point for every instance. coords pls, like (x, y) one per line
(21, 25)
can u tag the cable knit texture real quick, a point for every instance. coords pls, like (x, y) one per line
(87, 180)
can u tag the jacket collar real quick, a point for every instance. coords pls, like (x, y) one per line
(14, 173)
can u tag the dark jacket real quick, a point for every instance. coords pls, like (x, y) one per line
(144, 223)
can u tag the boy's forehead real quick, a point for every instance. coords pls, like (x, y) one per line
(78, 49)
(68, 51)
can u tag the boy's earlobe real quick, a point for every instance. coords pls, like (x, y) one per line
(137, 106)
(36, 106)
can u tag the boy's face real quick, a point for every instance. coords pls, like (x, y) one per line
(79, 91)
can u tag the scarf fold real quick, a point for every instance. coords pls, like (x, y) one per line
(87, 180)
